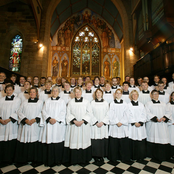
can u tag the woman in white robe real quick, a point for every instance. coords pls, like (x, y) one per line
(96, 83)
(158, 140)
(118, 129)
(44, 95)
(137, 131)
(29, 129)
(9, 106)
(88, 93)
(78, 132)
(99, 128)
(53, 134)
(108, 94)
(170, 108)
(25, 95)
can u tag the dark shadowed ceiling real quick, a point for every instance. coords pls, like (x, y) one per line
(104, 8)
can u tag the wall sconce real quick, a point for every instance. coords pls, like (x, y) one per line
(40, 45)
(131, 49)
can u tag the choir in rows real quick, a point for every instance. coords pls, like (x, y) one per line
(69, 122)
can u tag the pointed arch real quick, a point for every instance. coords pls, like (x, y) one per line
(86, 48)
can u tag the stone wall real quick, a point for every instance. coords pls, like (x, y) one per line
(18, 18)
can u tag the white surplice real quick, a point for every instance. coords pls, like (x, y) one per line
(99, 114)
(9, 108)
(53, 133)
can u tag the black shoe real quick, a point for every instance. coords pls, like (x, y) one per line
(101, 159)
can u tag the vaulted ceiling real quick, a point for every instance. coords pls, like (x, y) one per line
(105, 8)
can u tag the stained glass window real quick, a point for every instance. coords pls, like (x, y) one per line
(86, 53)
(16, 52)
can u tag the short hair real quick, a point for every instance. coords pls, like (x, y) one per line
(144, 81)
(132, 78)
(9, 86)
(96, 77)
(153, 91)
(88, 76)
(8, 81)
(98, 90)
(77, 88)
(48, 82)
(125, 83)
(23, 77)
(90, 81)
(14, 75)
(27, 82)
(67, 82)
(35, 90)
(55, 87)
(3, 73)
(139, 78)
(102, 77)
(119, 90)
(43, 78)
(118, 78)
(130, 95)
(35, 77)
(108, 82)
(114, 78)
(156, 76)
(160, 82)
(171, 96)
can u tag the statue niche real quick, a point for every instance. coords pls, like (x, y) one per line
(64, 66)
(106, 68)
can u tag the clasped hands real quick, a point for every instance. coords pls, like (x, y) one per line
(4, 122)
(30, 122)
(78, 123)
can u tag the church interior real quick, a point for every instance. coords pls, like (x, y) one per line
(79, 38)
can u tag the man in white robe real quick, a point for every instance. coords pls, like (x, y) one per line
(163, 95)
(157, 128)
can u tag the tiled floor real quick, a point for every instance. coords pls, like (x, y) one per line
(146, 166)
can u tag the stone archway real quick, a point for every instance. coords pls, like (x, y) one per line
(126, 43)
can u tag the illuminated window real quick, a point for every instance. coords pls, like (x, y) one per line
(86, 53)
(16, 52)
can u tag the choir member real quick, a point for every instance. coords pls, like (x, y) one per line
(49, 78)
(96, 83)
(171, 84)
(127, 79)
(9, 106)
(139, 80)
(88, 78)
(25, 95)
(78, 132)
(29, 79)
(99, 128)
(2, 81)
(20, 88)
(29, 115)
(80, 82)
(170, 108)
(13, 79)
(125, 95)
(144, 95)
(44, 95)
(102, 82)
(155, 84)
(42, 81)
(118, 129)
(53, 134)
(114, 84)
(118, 82)
(88, 93)
(58, 83)
(147, 80)
(63, 81)
(163, 96)
(66, 95)
(166, 87)
(157, 128)
(137, 131)
(73, 83)
(132, 85)
(108, 94)
(36, 82)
